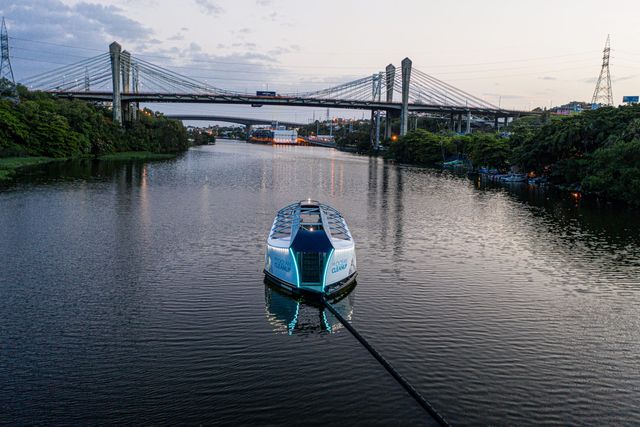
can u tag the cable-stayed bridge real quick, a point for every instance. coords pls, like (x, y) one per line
(126, 80)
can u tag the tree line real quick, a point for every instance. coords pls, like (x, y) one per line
(42, 125)
(596, 151)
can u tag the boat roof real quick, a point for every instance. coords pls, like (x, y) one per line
(310, 214)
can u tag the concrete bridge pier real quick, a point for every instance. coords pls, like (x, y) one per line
(459, 123)
(452, 123)
(388, 130)
(406, 81)
(115, 51)
(372, 129)
(496, 123)
(468, 130)
(125, 57)
(377, 146)
(136, 87)
(390, 75)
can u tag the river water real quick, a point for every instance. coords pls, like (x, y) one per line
(133, 293)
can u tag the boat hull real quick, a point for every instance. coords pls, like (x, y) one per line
(333, 290)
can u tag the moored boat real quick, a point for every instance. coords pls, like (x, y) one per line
(515, 178)
(310, 250)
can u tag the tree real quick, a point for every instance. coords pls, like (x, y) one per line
(422, 148)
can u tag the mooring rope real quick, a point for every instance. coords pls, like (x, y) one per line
(395, 374)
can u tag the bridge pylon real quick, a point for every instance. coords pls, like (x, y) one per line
(390, 74)
(375, 114)
(406, 82)
(135, 80)
(126, 83)
(115, 51)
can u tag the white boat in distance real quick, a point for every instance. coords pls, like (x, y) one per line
(310, 250)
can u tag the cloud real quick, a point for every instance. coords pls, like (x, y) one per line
(547, 78)
(249, 46)
(506, 97)
(112, 21)
(264, 3)
(283, 50)
(209, 7)
(49, 33)
(621, 79)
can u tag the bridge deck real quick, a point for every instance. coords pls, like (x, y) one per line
(286, 101)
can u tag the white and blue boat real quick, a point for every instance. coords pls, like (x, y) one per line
(310, 250)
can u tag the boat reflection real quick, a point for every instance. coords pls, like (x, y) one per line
(295, 315)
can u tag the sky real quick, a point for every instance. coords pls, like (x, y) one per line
(518, 54)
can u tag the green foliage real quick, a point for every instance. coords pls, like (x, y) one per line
(422, 148)
(41, 125)
(13, 131)
(201, 137)
(360, 140)
(488, 149)
(597, 149)
(425, 148)
(614, 172)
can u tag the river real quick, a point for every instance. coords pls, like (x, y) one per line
(133, 293)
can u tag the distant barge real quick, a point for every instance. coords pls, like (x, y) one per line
(275, 136)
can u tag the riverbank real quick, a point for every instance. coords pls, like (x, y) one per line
(596, 152)
(9, 166)
(137, 155)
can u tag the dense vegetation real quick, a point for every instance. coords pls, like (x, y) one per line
(428, 149)
(41, 125)
(595, 151)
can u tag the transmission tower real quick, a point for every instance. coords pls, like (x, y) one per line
(7, 81)
(603, 93)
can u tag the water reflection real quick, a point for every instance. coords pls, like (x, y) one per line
(507, 305)
(291, 315)
(562, 210)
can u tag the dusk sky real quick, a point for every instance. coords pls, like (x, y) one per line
(519, 54)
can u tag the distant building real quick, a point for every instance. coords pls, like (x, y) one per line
(572, 107)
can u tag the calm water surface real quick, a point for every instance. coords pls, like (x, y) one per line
(133, 293)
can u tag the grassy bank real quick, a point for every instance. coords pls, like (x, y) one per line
(9, 165)
(137, 155)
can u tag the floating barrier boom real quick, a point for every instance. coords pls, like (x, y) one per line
(395, 374)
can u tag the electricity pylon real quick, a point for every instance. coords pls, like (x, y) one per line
(7, 81)
(604, 94)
